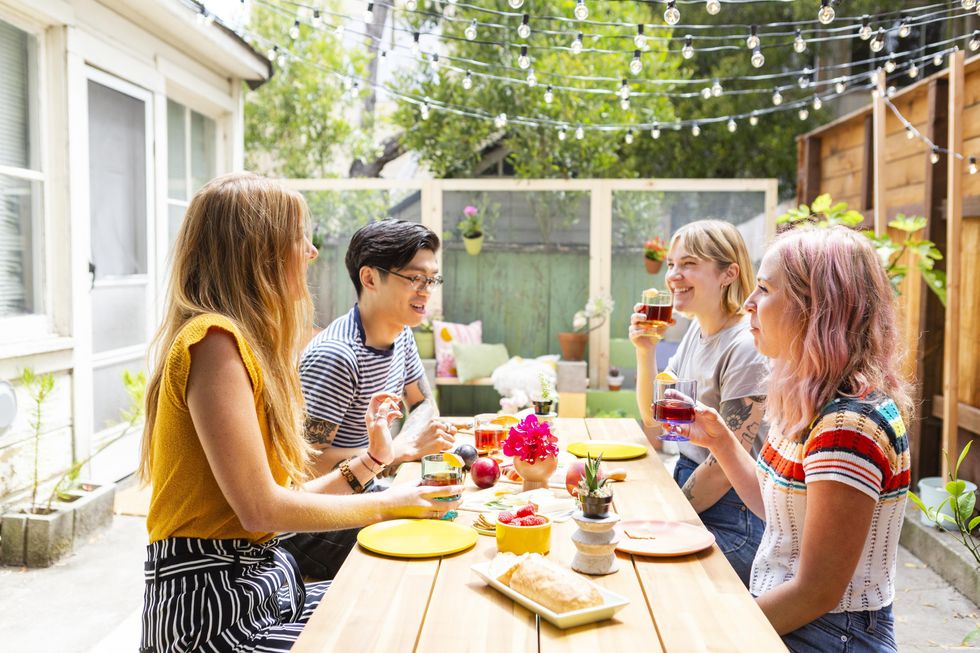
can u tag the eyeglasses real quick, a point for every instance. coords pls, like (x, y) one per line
(420, 282)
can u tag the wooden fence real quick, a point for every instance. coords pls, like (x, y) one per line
(868, 160)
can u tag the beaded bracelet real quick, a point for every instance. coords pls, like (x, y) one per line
(355, 485)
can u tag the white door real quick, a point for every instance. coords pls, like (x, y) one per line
(120, 123)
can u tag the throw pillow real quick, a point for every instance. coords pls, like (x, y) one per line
(446, 334)
(476, 361)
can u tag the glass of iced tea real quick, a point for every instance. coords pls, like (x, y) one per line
(673, 404)
(439, 473)
(487, 434)
(658, 307)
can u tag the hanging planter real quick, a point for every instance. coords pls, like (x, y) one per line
(653, 266)
(473, 244)
(654, 252)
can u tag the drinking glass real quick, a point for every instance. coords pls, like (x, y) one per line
(673, 403)
(488, 436)
(437, 472)
(658, 306)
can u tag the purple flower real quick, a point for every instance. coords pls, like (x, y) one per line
(531, 441)
(469, 211)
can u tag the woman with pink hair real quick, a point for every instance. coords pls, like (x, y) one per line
(832, 479)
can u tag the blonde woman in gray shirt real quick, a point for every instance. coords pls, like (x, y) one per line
(710, 274)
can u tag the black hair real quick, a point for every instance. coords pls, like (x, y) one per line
(389, 244)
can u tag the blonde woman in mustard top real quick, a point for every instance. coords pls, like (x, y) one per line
(223, 446)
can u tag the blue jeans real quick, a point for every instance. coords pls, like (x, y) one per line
(846, 632)
(737, 531)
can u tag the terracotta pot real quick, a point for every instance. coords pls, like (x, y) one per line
(573, 345)
(535, 474)
(615, 382)
(473, 245)
(653, 267)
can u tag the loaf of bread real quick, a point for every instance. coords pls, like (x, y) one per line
(504, 564)
(554, 587)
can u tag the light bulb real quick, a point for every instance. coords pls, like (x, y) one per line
(273, 53)
(873, 77)
(523, 60)
(934, 157)
(470, 31)
(579, 133)
(629, 137)
(636, 65)
(561, 134)
(804, 114)
(424, 111)
(449, 11)
(753, 120)
(434, 62)
(732, 125)
(515, 4)
(826, 13)
(411, 5)
(752, 42)
(369, 13)
(524, 30)
(655, 132)
(937, 60)
(581, 11)
(294, 30)
(969, 4)
(577, 44)
(716, 89)
(317, 19)
(415, 43)
(891, 91)
(549, 95)
(803, 80)
(878, 42)
(624, 89)
(905, 29)
(500, 121)
(706, 92)
(467, 81)
(777, 97)
(712, 7)
(972, 167)
(671, 15)
(532, 79)
(909, 134)
(865, 31)
(688, 50)
(975, 41)
(874, 92)
(695, 129)
(758, 59)
(913, 71)
(890, 63)
(799, 44)
(817, 103)
(840, 86)
(640, 40)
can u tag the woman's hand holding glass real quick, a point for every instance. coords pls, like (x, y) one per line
(421, 501)
(708, 429)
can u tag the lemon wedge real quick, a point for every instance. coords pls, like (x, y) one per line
(452, 459)
(506, 421)
(665, 376)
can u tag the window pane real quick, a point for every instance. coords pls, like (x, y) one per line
(18, 137)
(202, 150)
(177, 150)
(19, 262)
(118, 316)
(111, 397)
(117, 178)
(175, 215)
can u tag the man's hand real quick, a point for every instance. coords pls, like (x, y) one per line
(436, 436)
(382, 411)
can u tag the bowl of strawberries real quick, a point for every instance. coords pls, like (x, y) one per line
(523, 531)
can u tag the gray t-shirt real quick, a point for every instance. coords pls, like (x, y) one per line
(726, 366)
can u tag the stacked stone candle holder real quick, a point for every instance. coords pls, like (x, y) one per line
(595, 541)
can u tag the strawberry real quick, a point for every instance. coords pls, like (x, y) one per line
(535, 520)
(519, 521)
(505, 517)
(525, 511)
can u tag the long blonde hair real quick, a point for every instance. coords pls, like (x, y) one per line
(238, 253)
(720, 242)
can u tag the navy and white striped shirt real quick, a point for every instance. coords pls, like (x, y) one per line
(339, 373)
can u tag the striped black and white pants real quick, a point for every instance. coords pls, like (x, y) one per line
(223, 595)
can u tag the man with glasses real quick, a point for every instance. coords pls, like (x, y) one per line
(370, 349)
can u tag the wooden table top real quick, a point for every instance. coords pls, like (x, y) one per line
(683, 604)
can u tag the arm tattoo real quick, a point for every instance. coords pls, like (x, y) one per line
(688, 487)
(320, 431)
(736, 413)
(426, 393)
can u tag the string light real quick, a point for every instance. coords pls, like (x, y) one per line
(672, 15)
(579, 133)
(905, 29)
(688, 50)
(640, 40)
(817, 103)
(804, 114)
(523, 60)
(655, 132)
(890, 63)
(577, 44)
(636, 66)
(803, 81)
(975, 41)
(294, 30)
(467, 81)
(732, 125)
(624, 90)
(415, 43)
(969, 4)
(369, 13)
(909, 134)
(840, 86)
(799, 44)
(629, 136)
(913, 71)
(515, 4)
(972, 167)
(878, 42)
(754, 119)
(317, 20)
(934, 157)
(532, 80)
(561, 134)
(695, 129)
(411, 5)
(424, 110)
(581, 11)
(937, 60)
(524, 30)
(826, 13)
(777, 97)
(500, 121)
(706, 92)
(753, 41)
(758, 59)
(865, 32)
(716, 89)
(470, 31)
(549, 95)
(712, 7)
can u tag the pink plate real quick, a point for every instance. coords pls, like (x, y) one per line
(662, 538)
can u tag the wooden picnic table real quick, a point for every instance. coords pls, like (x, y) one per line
(683, 604)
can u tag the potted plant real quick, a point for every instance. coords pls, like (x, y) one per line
(593, 316)
(614, 379)
(654, 252)
(535, 451)
(471, 228)
(593, 492)
(545, 399)
(425, 340)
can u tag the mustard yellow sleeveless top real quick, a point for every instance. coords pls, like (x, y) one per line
(186, 500)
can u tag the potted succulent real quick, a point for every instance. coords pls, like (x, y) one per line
(654, 252)
(471, 228)
(545, 400)
(614, 378)
(594, 493)
(425, 340)
(590, 318)
(535, 451)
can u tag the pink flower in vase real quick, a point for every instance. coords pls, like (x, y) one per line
(469, 211)
(531, 441)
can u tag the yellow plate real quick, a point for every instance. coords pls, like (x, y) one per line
(416, 538)
(609, 449)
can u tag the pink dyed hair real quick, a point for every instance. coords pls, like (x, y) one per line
(848, 337)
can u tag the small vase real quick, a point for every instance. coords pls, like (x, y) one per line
(595, 507)
(542, 407)
(615, 382)
(473, 245)
(653, 266)
(572, 345)
(535, 474)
